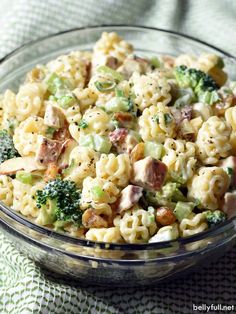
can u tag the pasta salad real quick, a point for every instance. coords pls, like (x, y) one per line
(115, 147)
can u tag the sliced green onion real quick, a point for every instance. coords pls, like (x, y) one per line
(24, 177)
(66, 101)
(106, 70)
(105, 86)
(83, 124)
(119, 93)
(97, 191)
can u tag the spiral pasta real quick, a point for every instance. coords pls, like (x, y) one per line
(230, 117)
(156, 124)
(6, 190)
(136, 226)
(27, 135)
(213, 140)
(110, 44)
(97, 191)
(180, 157)
(97, 120)
(196, 223)
(82, 163)
(86, 97)
(73, 67)
(115, 169)
(110, 235)
(208, 186)
(23, 197)
(150, 89)
(121, 148)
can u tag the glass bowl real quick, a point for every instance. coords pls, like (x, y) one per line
(101, 263)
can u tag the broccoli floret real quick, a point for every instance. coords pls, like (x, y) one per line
(215, 217)
(196, 79)
(7, 149)
(202, 84)
(167, 196)
(63, 198)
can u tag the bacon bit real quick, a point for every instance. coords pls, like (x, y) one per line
(137, 152)
(88, 73)
(165, 216)
(51, 172)
(91, 220)
(112, 62)
(118, 135)
(123, 118)
(48, 151)
(62, 134)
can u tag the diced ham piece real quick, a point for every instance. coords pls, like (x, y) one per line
(54, 117)
(129, 197)
(149, 173)
(48, 151)
(91, 220)
(11, 166)
(229, 164)
(122, 140)
(229, 205)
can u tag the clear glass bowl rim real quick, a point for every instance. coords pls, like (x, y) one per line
(212, 232)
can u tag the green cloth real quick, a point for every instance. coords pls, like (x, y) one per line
(24, 288)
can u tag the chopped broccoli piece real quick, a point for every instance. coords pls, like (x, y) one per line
(202, 84)
(185, 97)
(168, 196)
(63, 198)
(7, 149)
(215, 217)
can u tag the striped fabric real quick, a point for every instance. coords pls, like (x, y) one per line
(23, 287)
